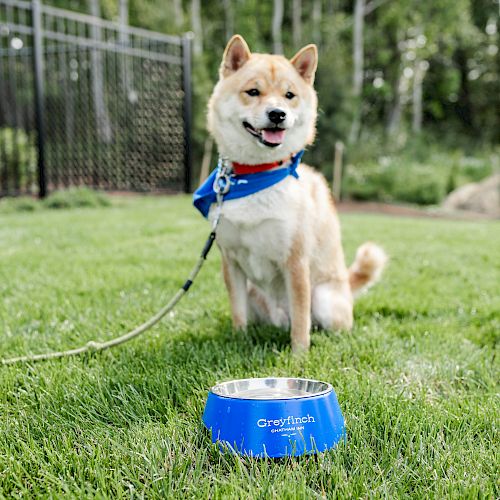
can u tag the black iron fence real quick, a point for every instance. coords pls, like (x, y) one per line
(85, 101)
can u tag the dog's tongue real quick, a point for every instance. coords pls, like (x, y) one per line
(273, 136)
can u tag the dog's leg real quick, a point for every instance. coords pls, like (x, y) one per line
(299, 298)
(332, 305)
(236, 284)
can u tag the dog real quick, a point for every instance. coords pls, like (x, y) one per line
(282, 257)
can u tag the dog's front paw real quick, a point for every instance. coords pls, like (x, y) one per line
(239, 326)
(300, 346)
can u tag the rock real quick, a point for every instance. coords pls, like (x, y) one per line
(482, 197)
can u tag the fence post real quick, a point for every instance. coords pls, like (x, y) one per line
(36, 14)
(187, 108)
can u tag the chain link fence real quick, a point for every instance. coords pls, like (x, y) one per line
(89, 102)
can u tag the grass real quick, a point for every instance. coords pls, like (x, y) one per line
(417, 379)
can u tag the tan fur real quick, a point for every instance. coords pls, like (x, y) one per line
(239, 305)
(299, 291)
(283, 261)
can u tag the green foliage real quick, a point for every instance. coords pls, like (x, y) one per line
(18, 155)
(19, 204)
(70, 198)
(417, 378)
(455, 41)
(419, 173)
(396, 180)
(76, 198)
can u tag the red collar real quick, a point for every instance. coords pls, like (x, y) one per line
(243, 168)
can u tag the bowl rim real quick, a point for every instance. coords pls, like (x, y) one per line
(327, 390)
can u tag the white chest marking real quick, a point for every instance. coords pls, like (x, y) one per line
(257, 232)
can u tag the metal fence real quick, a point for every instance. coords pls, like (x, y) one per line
(85, 101)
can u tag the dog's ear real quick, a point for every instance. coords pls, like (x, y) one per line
(305, 62)
(235, 56)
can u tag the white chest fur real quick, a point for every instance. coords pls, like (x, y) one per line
(257, 232)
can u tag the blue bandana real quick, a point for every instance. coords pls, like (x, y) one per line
(243, 185)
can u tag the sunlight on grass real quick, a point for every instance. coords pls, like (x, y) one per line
(417, 379)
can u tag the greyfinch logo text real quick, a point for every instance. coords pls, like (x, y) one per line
(281, 422)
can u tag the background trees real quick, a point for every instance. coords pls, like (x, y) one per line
(396, 77)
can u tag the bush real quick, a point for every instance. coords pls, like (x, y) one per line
(420, 174)
(395, 180)
(21, 204)
(70, 198)
(18, 156)
(77, 197)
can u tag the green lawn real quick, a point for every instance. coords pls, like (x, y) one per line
(417, 379)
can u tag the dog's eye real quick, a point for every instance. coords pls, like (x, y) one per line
(253, 92)
(289, 95)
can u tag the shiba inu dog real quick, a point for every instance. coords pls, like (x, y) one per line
(282, 256)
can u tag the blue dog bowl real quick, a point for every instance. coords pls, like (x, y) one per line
(274, 417)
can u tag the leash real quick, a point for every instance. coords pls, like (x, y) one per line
(221, 187)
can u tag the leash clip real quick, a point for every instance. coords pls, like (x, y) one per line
(221, 186)
(222, 182)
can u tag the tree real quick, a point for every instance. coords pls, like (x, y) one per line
(297, 23)
(316, 22)
(276, 26)
(103, 122)
(124, 41)
(357, 73)
(178, 14)
(228, 18)
(196, 27)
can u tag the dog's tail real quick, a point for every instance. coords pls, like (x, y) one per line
(367, 267)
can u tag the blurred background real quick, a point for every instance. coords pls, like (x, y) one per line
(409, 90)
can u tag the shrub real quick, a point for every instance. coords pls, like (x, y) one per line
(18, 156)
(21, 204)
(76, 197)
(404, 176)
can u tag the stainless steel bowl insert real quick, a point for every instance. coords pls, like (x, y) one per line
(271, 388)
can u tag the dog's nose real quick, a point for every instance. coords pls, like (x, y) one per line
(276, 115)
